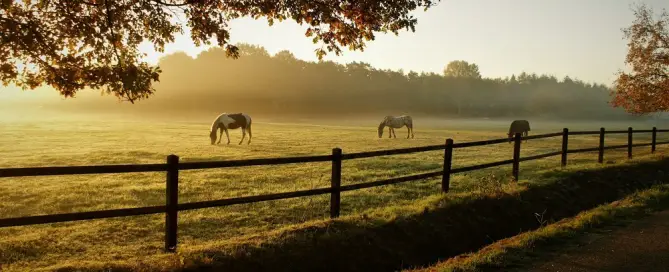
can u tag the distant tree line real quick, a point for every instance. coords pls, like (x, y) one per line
(281, 84)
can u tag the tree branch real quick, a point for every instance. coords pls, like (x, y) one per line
(110, 24)
(172, 4)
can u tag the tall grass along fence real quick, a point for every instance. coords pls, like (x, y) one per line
(173, 166)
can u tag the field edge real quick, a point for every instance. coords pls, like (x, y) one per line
(515, 251)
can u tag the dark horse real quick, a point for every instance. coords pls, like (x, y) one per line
(519, 126)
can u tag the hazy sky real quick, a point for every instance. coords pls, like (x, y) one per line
(580, 38)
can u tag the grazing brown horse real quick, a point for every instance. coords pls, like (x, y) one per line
(519, 126)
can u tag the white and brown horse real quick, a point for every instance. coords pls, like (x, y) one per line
(230, 121)
(393, 122)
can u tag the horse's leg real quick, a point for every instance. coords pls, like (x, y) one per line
(408, 131)
(220, 136)
(243, 135)
(522, 135)
(227, 135)
(390, 132)
(394, 134)
(249, 135)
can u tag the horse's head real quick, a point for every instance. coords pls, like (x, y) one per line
(212, 136)
(381, 126)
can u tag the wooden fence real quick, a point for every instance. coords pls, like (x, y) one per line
(173, 166)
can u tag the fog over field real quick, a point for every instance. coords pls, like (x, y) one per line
(283, 88)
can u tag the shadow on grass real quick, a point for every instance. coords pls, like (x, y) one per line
(452, 227)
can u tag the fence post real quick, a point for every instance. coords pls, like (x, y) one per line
(652, 146)
(335, 183)
(629, 142)
(601, 145)
(448, 159)
(565, 141)
(516, 156)
(171, 199)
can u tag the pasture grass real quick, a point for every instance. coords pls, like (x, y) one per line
(515, 252)
(136, 242)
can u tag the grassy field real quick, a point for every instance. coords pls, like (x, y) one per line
(533, 247)
(139, 239)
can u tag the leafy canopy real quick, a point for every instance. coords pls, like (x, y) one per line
(462, 69)
(646, 88)
(76, 44)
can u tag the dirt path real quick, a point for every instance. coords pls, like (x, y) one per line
(640, 246)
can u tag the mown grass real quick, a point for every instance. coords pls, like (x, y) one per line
(136, 242)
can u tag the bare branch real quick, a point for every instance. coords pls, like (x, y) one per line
(172, 4)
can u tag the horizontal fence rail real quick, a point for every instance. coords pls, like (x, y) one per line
(617, 132)
(541, 156)
(481, 143)
(81, 170)
(480, 166)
(251, 199)
(642, 145)
(66, 217)
(586, 132)
(390, 181)
(582, 150)
(252, 162)
(615, 147)
(541, 136)
(173, 166)
(370, 154)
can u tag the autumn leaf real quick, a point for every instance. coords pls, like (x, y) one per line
(646, 88)
(102, 38)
